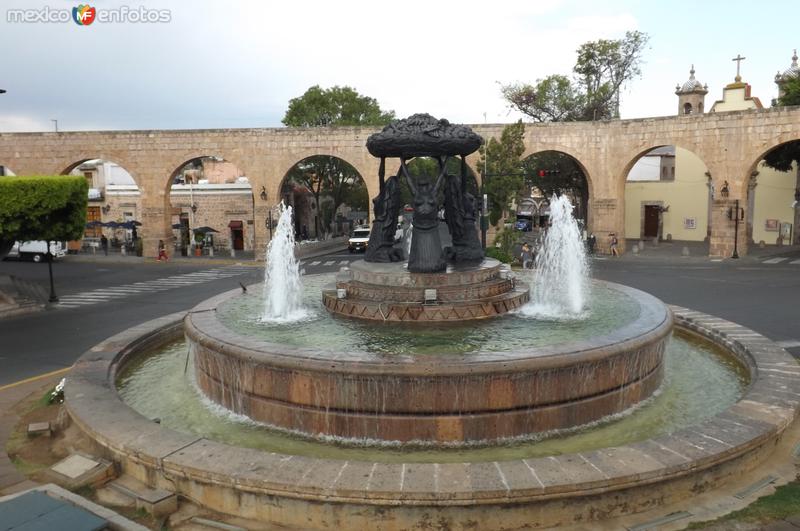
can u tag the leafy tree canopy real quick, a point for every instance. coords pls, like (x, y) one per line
(784, 156)
(43, 208)
(343, 106)
(602, 70)
(327, 176)
(500, 159)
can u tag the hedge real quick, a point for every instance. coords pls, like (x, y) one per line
(43, 207)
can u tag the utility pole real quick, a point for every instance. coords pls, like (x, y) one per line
(736, 231)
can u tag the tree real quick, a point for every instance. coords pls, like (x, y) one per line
(327, 176)
(43, 208)
(791, 92)
(602, 70)
(562, 175)
(342, 106)
(49, 208)
(787, 156)
(502, 167)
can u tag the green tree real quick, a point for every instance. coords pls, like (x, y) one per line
(502, 169)
(787, 156)
(342, 106)
(43, 208)
(327, 176)
(602, 70)
(791, 93)
(562, 175)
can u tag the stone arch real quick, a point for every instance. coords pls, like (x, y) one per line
(109, 200)
(572, 153)
(308, 217)
(669, 197)
(224, 202)
(581, 195)
(120, 160)
(6, 171)
(773, 200)
(687, 108)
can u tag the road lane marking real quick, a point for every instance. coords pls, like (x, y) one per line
(34, 378)
(775, 260)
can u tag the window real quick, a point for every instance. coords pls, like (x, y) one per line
(687, 108)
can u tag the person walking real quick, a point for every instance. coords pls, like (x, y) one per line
(592, 243)
(162, 251)
(526, 256)
(614, 243)
(104, 244)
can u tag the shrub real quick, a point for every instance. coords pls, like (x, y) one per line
(43, 207)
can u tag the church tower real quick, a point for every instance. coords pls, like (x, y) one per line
(691, 96)
(789, 73)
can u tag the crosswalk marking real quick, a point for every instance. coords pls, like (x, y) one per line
(100, 295)
(775, 260)
(330, 262)
(795, 262)
(315, 262)
(344, 262)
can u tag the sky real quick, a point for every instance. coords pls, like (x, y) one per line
(238, 63)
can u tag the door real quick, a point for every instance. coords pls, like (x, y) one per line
(237, 235)
(93, 214)
(651, 213)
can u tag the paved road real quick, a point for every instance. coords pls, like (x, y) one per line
(101, 299)
(53, 339)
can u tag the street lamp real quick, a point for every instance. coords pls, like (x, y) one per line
(2, 91)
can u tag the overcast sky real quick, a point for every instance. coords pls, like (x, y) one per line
(237, 64)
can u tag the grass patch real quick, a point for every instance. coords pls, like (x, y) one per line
(784, 502)
(26, 468)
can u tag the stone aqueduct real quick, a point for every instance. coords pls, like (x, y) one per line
(731, 144)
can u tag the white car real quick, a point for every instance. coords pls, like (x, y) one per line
(36, 250)
(359, 239)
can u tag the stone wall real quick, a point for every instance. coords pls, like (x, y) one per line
(730, 143)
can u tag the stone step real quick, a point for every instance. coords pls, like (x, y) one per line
(157, 502)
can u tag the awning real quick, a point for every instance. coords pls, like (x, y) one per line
(235, 225)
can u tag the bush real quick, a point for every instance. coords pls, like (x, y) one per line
(499, 254)
(50, 208)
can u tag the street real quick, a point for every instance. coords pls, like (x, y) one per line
(100, 299)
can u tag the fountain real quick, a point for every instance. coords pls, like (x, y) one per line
(427, 393)
(562, 269)
(282, 273)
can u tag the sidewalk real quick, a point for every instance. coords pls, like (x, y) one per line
(697, 251)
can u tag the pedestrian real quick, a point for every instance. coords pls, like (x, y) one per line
(592, 243)
(104, 244)
(162, 251)
(526, 256)
(614, 243)
(304, 233)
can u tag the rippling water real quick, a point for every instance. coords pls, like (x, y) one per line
(699, 382)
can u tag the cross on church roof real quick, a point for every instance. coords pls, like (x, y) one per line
(738, 60)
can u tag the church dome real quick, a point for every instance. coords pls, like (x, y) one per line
(691, 85)
(792, 71)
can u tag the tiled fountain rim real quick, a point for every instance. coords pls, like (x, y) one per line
(768, 406)
(654, 321)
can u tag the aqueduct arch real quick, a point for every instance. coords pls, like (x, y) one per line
(730, 144)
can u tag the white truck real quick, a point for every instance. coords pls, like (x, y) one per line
(36, 250)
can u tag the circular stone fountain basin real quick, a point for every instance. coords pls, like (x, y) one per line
(469, 398)
(316, 493)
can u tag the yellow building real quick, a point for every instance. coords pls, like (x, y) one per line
(668, 192)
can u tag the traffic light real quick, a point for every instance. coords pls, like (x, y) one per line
(545, 173)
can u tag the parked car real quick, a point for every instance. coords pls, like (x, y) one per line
(36, 250)
(358, 239)
(523, 224)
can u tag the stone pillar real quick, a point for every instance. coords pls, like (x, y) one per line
(607, 216)
(723, 229)
(156, 225)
